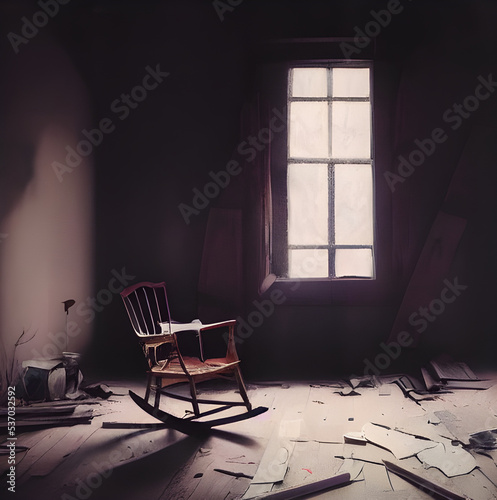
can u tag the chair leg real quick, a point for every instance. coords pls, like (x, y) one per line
(157, 392)
(241, 388)
(193, 393)
(149, 383)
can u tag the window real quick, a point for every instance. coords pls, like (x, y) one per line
(329, 173)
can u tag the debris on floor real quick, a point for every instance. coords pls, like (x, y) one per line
(98, 391)
(445, 373)
(400, 444)
(41, 417)
(391, 448)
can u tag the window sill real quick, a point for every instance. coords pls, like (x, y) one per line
(329, 291)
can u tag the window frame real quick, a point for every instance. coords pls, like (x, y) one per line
(279, 258)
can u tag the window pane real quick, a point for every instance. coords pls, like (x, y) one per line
(350, 82)
(307, 204)
(308, 263)
(353, 205)
(308, 130)
(351, 130)
(309, 82)
(354, 262)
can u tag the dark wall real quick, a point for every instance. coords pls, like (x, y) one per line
(46, 220)
(428, 56)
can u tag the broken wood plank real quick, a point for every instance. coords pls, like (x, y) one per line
(37, 411)
(310, 488)
(41, 422)
(430, 382)
(479, 385)
(422, 482)
(445, 368)
(135, 425)
(64, 402)
(234, 474)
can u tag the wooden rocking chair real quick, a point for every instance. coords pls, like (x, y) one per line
(148, 311)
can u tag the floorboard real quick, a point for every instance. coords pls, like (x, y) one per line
(297, 441)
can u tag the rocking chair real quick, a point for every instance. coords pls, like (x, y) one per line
(160, 338)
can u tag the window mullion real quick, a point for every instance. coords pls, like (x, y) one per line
(331, 181)
(331, 219)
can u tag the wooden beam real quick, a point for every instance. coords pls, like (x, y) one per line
(308, 489)
(422, 482)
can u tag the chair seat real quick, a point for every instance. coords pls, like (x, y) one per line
(194, 366)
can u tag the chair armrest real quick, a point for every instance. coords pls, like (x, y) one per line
(194, 326)
(179, 327)
(220, 324)
(198, 327)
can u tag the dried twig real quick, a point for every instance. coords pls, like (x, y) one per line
(18, 343)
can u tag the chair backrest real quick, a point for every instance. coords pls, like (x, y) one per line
(147, 305)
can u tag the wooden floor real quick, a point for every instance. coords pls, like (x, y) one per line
(299, 440)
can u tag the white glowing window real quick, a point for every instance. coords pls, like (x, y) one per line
(330, 182)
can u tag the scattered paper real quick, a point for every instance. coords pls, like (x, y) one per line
(400, 444)
(451, 459)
